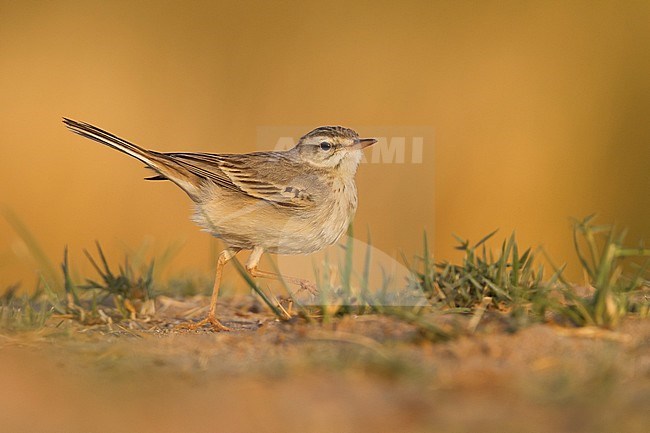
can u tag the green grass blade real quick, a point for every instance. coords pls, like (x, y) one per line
(47, 269)
(251, 283)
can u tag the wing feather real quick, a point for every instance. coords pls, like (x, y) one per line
(255, 175)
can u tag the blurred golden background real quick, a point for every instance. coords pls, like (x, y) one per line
(533, 112)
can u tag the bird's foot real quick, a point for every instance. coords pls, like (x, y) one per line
(308, 286)
(214, 323)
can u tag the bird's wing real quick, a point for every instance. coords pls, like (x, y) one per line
(269, 176)
(203, 165)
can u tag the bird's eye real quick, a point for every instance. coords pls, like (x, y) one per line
(324, 145)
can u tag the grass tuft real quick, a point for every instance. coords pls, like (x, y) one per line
(510, 279)
(25, 312)
(130, 292)
(605, 261)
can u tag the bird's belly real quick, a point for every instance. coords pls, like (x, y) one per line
(277, 230)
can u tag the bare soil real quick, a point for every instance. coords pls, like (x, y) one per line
(364, 373)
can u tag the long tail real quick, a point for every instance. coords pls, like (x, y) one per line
(165, 166)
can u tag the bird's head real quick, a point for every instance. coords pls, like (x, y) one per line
(333, 147)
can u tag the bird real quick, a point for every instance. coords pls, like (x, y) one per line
(295, 201)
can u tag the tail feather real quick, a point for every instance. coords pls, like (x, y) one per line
(166, 167)
(106, 138)
(156, 177)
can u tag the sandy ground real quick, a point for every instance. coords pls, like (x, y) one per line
(354, 374)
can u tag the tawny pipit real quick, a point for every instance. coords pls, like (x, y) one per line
(296, 201)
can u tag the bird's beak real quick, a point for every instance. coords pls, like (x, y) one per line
(364, 142)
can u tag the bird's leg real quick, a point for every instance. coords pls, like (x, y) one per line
(251, 267)
(211, 318)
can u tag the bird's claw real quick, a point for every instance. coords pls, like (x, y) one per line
(309, 287)
(214, 323)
